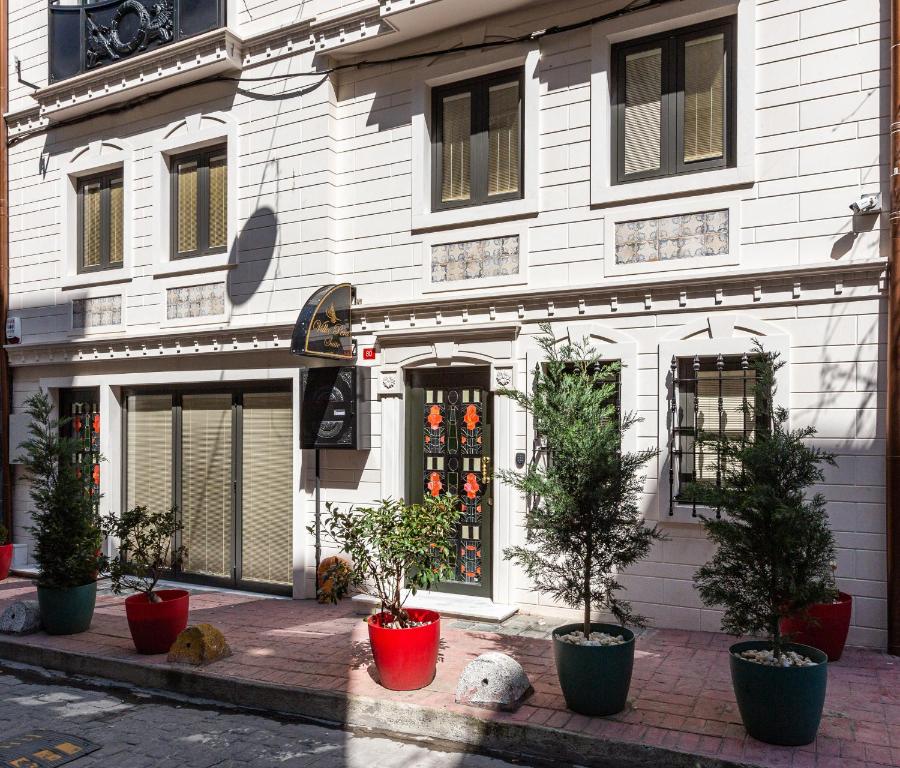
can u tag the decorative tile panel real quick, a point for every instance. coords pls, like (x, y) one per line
(195, 301)
(689, 236)
(97, 312)
(473, 259)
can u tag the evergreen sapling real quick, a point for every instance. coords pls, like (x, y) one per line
(584, 524)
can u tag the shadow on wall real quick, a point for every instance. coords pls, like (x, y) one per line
(859, 225)
(251, 254)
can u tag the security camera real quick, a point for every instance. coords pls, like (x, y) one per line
(867, 204)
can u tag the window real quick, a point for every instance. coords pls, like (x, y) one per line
(711, 396)
(673, 103)
(100, 222)
(477, 153)
(200, 203)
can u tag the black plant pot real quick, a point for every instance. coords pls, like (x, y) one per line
(779, 705)
(67, 611)
(594, 679)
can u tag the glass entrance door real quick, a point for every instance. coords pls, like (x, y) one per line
(449, 439)
(224, 458)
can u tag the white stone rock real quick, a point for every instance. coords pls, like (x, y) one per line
(21, 618)
(493, 681)
(767, 658)
(596, 639)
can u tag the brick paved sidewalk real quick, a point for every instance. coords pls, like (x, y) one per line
(680, 698)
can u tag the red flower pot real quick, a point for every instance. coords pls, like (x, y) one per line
(154, 626)
(406, 659)
(6, 555)
(825, 627)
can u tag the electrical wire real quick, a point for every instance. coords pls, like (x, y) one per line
(323, 74)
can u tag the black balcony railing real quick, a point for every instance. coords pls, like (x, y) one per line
(86, 34)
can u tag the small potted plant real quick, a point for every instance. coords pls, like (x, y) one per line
(6, 552)
(146, 550)
(65, 526)
(584, 525)
(391, 546)
(773, 559)
(823, 625)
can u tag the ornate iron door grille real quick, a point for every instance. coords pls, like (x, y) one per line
(82, 408)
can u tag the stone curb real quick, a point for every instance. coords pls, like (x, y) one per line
(372, 716)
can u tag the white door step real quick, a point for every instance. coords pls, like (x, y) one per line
(446, 604)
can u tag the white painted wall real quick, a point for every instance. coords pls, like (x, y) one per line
(325, 186)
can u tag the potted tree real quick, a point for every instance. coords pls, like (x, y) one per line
(584, 525)
(6, 552)
(773, 559)
(146, 549)
(392, 545)
(823, 625)
(65, 527)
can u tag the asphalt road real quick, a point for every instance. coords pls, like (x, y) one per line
(137, 730)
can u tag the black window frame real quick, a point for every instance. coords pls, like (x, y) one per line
(685, 370)
(479, 90)
(672, 44)
(105, 179)
(202, 157)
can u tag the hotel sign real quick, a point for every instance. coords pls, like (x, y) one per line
(323, 328)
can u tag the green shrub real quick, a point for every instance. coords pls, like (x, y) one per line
(65, 527)
(395, 544)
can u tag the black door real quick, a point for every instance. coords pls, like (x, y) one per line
(449, 443)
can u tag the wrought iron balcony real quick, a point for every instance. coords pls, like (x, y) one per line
(86, 34)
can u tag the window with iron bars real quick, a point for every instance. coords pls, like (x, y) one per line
(713, 397)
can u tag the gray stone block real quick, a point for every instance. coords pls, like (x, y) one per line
(493, 681)
(21, 618)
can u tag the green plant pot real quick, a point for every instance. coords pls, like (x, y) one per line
(779, 705)
(594, 679)
(67, 611)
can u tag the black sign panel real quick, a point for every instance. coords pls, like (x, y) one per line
(323, 327)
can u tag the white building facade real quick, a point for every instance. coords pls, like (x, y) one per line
(673, 182)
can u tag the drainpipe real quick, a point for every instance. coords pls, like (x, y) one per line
(5, 375)
(892, 465)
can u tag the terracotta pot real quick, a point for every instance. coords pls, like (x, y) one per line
(824, 627)
(6, 555)
(406, 659)
(154, 626)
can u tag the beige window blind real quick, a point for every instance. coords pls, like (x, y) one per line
(149, 452)
(456, 148)
(735, 422)
(267, 511)
(704, 98)
(92, 224)
(116, 222)
(187, 206)
(503, 139)
(643, 110)
(218, 201)
(206, 483)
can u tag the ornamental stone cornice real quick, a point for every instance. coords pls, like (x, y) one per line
(483, 318)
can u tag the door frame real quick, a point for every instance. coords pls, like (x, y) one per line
(463, 377)
(237, 391)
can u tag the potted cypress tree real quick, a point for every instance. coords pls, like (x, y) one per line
(773, 559)
(584, 525)
(65, 526)
(392, 545)
(146, 550)
(6, 552)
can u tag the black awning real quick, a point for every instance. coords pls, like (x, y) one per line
(324, 324)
